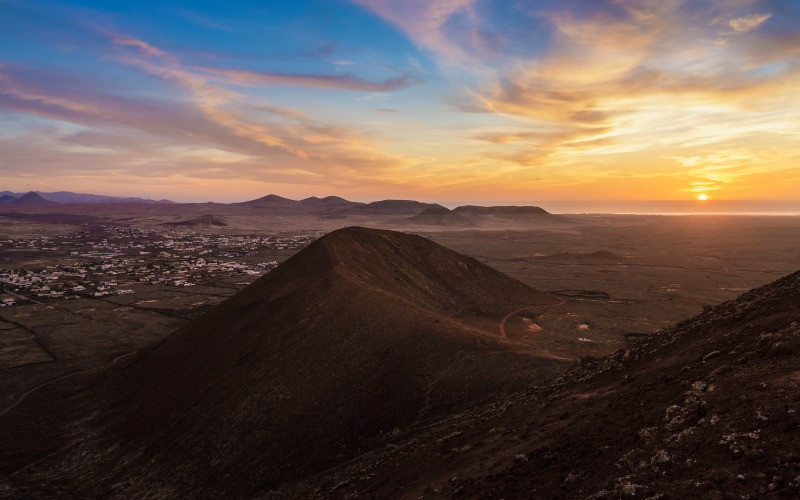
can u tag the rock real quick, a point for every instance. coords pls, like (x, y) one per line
(631, 490)
(660, 457)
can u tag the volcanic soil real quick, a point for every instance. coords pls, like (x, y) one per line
(363, 337)
(706, 409)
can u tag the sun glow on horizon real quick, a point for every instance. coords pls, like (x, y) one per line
(453, 99)
(702, 197)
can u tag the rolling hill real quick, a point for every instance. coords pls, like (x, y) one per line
(362, 337)
(31, 198)
(333, 205)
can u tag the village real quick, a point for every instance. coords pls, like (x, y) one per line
(119, 260)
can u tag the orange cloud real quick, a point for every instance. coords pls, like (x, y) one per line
(214, 132)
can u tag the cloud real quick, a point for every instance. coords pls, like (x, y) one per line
(339, 82)
(611, 95)
(647, 78)
(198, 128)
(428, 24)
(748, 23)
(144, 47)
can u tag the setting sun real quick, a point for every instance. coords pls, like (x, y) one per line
(448, 100)
(702, 197)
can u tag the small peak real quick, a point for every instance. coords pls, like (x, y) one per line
(435, 210)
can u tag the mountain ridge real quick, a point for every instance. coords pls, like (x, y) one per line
(31, 198)
(705, 409)
(479, 216)
(85, 198)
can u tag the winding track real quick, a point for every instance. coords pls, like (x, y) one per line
(501, 325)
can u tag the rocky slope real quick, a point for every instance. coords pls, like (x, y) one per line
(707, 409)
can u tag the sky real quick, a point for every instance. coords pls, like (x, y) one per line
(524, 100)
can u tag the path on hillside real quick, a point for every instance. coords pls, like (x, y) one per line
(502, 323)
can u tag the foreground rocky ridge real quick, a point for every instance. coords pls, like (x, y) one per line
(707, 409)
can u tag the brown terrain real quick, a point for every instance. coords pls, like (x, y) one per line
(378, 364)
(284, 379)
(706, 409)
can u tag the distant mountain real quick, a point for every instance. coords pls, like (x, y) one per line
(271, 201)
(69, 197)
(31, 198)
(500, 210)
(331, 205)
(436, 209)
(361, 337)
(437, 215)
(7, 199)
(389, 207)
(477, 216)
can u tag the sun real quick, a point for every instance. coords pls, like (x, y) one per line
(702, 197)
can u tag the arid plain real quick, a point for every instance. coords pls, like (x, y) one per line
(282, 347)
(617, 277)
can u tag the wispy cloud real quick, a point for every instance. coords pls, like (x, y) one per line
(748, 23)
(339, 82)
(429, 24)
(617, 97)
(213, 132)
(648, 78)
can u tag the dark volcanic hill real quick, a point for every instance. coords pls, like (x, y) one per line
(307, 206)
(438, 215)
(362, 337)
(327, 205)
(7, 199)
(31, 198)
(333, 205)
(477, 216)
(275, 204)
(389, 207)
(707, 409)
